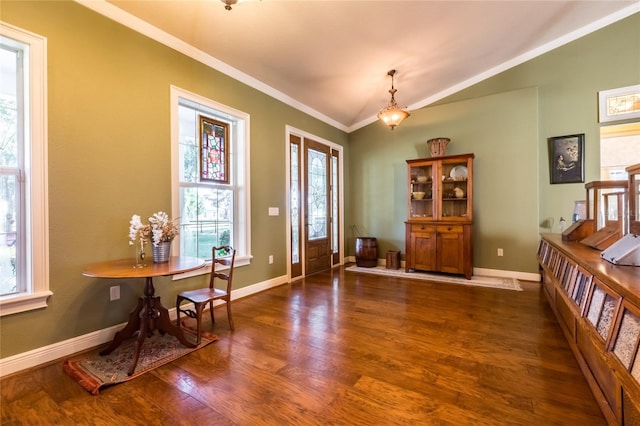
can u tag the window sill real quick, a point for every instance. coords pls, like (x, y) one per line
(22, 302)
(240, 261)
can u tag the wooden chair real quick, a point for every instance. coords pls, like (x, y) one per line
(224, 256)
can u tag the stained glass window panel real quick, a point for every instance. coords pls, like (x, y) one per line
(214, 150)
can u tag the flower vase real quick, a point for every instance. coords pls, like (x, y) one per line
(139, 253)
(161, 252)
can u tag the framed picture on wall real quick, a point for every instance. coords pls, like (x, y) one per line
(214, 150)
(566, 158)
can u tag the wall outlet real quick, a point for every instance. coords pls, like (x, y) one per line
(500, 252)
(114, 293)
(270, 259)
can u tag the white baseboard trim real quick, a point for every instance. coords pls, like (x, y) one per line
(55, 351)
(525, 276)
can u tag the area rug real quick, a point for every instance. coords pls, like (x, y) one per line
(479, 281)
(94, 372)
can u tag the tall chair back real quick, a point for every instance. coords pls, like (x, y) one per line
(224, 256)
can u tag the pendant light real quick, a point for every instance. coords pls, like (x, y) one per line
(392, 114)
(229, 3)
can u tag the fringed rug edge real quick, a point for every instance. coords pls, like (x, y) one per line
(93, 384)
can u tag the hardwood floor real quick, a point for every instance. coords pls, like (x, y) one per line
(344, 348)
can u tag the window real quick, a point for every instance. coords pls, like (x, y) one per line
(24, 240)
(213, 204)
(619, 148)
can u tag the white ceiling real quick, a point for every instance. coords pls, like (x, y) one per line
(330, 58)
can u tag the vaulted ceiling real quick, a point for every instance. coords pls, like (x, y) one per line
(330, 58)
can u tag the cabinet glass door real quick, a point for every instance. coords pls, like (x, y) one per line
(455, 196)
(421, 189)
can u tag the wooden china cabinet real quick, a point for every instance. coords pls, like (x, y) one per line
(440, 214)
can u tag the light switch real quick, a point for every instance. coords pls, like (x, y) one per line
(274, 211)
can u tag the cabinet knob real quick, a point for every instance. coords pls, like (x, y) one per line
(422, 227)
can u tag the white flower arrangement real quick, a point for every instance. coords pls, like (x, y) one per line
(163, 229)
(137, 230)
(160, 228)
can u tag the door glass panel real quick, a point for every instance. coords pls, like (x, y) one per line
(334, 203)
(294, 195)
(317, 201)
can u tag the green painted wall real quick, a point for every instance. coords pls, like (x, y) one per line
(500, 130)
(108, 90)
(109, 157)
(505, 121)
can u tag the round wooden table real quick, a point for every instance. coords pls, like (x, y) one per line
(149, 314)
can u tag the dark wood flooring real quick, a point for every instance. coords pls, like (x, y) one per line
(341, 348)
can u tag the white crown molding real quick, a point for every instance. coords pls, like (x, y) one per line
(118, 15)
(534, 53)
(112, 12)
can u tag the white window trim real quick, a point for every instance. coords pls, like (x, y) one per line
(37, 203)
(243, 220)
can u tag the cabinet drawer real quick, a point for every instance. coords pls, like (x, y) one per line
(422, 228)
(450, 228)
(567, 316)
(593, 353)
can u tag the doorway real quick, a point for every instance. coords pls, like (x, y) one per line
(619, 148)
(314, 204)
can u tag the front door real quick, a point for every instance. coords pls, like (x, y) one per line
(317, 216)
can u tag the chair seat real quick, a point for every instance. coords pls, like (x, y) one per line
(202, 295)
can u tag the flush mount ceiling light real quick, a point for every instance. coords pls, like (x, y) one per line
(229, 3)
(392, 114)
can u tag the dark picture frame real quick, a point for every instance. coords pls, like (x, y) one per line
(566, 159)
(214, 150)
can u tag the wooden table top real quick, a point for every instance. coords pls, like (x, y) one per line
(123, 268)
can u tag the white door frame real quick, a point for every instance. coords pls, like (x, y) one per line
(289, 130)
